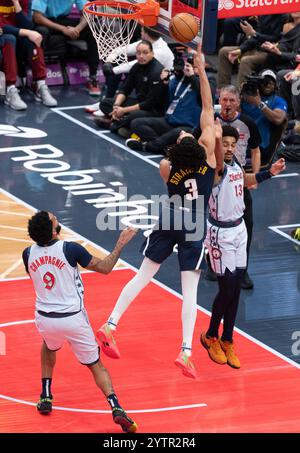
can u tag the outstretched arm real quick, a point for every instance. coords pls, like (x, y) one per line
(106, 265)
(256, 178)
(207, 138)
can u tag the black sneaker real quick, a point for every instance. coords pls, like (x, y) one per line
(134, 144)
(120, 418)
(246, 282)
(44, 406)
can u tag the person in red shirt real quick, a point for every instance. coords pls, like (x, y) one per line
(18, 32)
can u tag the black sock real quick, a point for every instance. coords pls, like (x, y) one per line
(113, 401)
(46, 388)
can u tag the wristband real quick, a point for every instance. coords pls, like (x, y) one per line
(262, 176)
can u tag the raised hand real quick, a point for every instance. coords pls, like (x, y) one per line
(278, 167)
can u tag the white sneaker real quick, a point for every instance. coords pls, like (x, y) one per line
(98, 113)
(43, 95)
(13, 99)
(92, 108)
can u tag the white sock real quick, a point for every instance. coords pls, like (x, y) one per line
(10, 87)
(39, 83)
(189, 283)
(144, 275)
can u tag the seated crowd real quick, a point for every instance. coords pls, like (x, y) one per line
(152, 98)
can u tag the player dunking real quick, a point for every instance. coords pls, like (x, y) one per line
(188, 172)
(60, 313)
(226, 241)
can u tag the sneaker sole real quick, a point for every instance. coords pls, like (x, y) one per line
(185, 371)
(126, 426)
(44, 412)
(207, 348)
(233, 366)
(13, 108)
(105, 347)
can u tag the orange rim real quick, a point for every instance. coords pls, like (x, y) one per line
(135, 10)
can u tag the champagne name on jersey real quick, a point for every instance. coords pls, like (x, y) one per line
(41, 261)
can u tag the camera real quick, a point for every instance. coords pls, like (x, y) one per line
(252, 85)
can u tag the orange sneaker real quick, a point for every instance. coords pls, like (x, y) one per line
(187, 367)
(214, 349)
(232, 358)
(108, 343)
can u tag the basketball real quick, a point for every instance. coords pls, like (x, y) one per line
(183, 27)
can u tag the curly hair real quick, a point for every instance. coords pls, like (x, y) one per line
(229, 131)
(188, 153)
(40, 228)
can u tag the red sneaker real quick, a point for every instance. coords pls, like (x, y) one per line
(108, 343)
(93, 87)
(186, 365)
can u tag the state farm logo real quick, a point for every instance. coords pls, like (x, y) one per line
(225, 4)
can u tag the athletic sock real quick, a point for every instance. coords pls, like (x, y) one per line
(187, 351)
(113, 401)
(111, 325)
(144, 275)
(46, 388)
(189, 283)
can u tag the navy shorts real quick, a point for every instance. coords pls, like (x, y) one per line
(160, 244)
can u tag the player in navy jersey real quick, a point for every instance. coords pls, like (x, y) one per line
(188, 172)
(226, 241)
(60, 315)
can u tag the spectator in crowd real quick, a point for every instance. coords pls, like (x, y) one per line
(250, 55)
(143, 78)
(113, 74)
(182, 114)
(289, 89)
(282, 54)
(52, 18)
(268, 111)
(233, 29)
(18, 34)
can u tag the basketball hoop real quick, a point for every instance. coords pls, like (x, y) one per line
(113, 24)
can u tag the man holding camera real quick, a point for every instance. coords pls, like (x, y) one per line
(137, 96)
(184, 108)
(269, 111)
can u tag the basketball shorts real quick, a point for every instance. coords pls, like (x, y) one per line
(227, 247)
(161, 242)
(76, 330)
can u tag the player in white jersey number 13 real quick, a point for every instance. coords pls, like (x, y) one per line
(226, 241)
(60, 315)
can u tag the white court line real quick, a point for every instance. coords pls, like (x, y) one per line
(14, 213)
(13, 228)
(6, 238)
(11, 268)
(175, 293)
(92, 411)
(277, 229)
(104, 137)
(286, 175)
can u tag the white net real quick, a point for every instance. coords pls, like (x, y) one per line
(112, 32)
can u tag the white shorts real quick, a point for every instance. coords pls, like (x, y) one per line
(76, 330)
(227, 247)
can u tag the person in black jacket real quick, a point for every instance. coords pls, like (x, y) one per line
(249, 53)
(144, 78)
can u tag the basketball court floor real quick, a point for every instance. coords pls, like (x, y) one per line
(57, 160)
